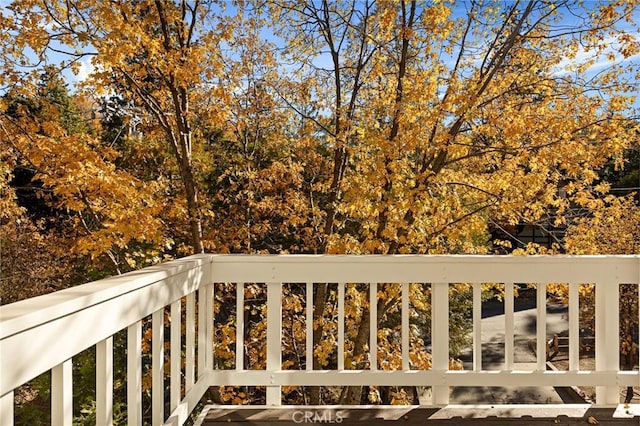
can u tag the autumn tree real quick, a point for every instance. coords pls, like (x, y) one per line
(611, 227)
(257, 182)
(34, 249)
(164, 56)
(438, 119)
(325, 127)
(106, 210)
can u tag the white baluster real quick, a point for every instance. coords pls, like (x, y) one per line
(508, 326)
(274, 338)
(541, 327)
(176, 355)
(134, 374)
(209, 328)
(341, 297)
(6, 409)
(190, 343)
(373, 326)
(240, 326)
(405, 327)
(62, 394)
(440, 337)
(574, 327)
(202, 331)
(309, 337)
(157, 368)
(607, 338)
(477, 326)
(104, 382)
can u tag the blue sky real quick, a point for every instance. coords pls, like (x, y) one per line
(459, 9)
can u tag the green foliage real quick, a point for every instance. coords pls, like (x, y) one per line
(33, 406)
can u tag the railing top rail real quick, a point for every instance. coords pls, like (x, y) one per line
(427, 268)
(29, 313)
(328, 268)
(232, 257)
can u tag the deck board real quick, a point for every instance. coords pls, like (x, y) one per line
(413, 416)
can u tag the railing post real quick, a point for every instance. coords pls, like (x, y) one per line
(607, 338)
(6, 409)
(62, 394)
(104, 382)
(134, 374)
(274, 338)
(440, 338)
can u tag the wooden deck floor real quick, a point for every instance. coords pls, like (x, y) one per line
(577, 414)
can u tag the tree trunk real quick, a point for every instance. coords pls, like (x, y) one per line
(193, 208)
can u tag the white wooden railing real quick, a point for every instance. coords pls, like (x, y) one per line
(45, 333)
